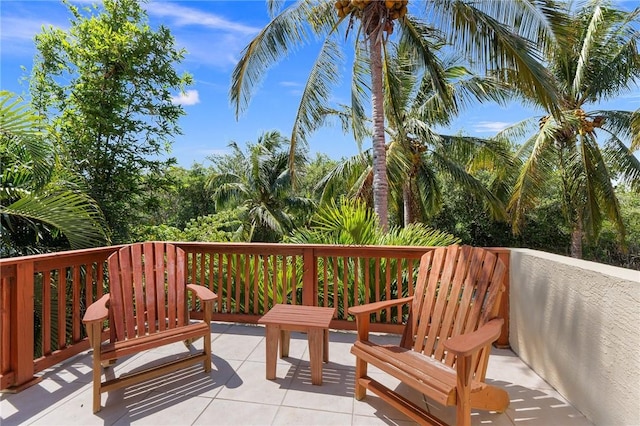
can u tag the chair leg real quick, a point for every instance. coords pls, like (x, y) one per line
(208, 310)
(94, 338)
(361, 371)
(463, 390)
(207, 351)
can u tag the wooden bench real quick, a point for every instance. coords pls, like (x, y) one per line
(146, 308)
(447, 339)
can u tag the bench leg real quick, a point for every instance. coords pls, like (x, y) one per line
(272, 332)
(316, 340)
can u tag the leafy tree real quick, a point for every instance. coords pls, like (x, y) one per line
(104, 86)
(183, 197)
(598, 60)
(463, 214)
(497, 35)
(222, 226)
(312, 173)
(260, 182)
(606, 248)
(40, 205)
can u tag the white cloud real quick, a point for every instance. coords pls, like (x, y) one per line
(290, 84)
(22, 29)
(490, 126)
(210, 39)
(190, 97)
(184, 16)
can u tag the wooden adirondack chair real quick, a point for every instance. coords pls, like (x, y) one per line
(447, 339)
(146, 308)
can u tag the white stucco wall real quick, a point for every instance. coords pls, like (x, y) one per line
(577, 324)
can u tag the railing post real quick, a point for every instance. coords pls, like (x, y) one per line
(309, 277)
(22, 327)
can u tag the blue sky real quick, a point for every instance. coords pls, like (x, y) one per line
(214, 33)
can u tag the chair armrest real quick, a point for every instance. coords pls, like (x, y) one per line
(467, 344)
(202, 292)
(98, 311)
(378, 306)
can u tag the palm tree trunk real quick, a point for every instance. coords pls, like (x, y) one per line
(576, 242)
(407, 204)
(380, 183)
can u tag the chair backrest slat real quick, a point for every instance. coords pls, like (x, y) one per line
(161, 292)
(138, 288)
(151, 296)
(148, 289)
(457, 291)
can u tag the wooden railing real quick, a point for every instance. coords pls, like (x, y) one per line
(43, 297)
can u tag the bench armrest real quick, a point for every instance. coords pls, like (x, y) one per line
(202, 292)
(98, 311)
(370, 308)
(467, 344)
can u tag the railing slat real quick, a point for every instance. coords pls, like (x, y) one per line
(46, 313)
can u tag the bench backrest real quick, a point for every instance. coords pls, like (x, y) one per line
(457, 290)
(147, 289)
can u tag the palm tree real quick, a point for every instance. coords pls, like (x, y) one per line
(417, 155)
(38, 202)
(586, 149)
(259, 181)
(496, 35)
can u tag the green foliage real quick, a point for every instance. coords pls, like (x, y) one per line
(464, 215)
(104, 87)
(41, 208)
(351, 222)
(156, 233)
(181, 196)
(223, 226)
(312, 173)
(607, 248)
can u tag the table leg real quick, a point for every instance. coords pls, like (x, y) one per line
(316, 340)
(272, 332)
(285, 337)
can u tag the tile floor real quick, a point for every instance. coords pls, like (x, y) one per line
(237, 393)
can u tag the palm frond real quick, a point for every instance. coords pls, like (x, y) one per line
(423, 42)
(626, 164)
(310, 114)
(485, 39)
(533, 175)
(588, 42)
(74, 214)
(459, 175)
(286, 31)
(359, 88)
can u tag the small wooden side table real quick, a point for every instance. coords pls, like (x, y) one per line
(313, 320)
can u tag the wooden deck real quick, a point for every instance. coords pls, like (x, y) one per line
(237, 393)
